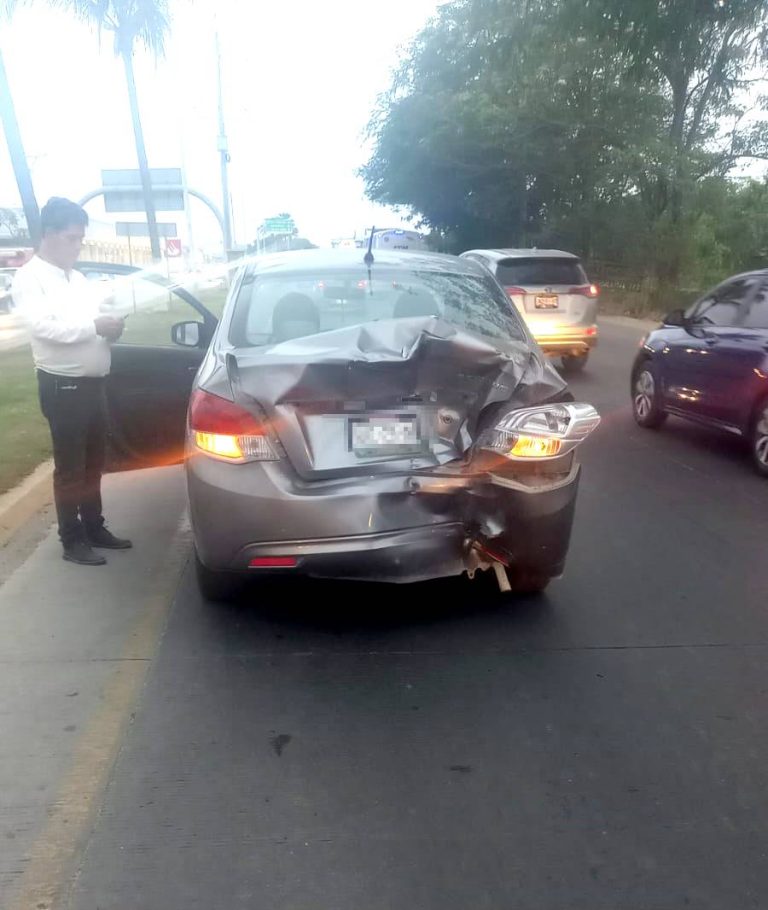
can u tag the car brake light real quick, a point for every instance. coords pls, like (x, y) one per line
(514, 292)
(273, 562)
(587, 290)
(224, 429)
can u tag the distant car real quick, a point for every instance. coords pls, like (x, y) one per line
(709, 364)
(553, 294)
(397, 240)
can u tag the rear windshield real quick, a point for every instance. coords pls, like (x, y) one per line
(526, 272)
(274, 308)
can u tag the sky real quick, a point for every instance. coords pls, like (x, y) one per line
(300, 81)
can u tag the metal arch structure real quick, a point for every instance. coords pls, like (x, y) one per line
(179, 187)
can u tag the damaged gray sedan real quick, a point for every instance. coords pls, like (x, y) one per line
(387, 420)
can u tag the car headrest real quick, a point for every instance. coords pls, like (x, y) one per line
(294, 316)
(417, 303)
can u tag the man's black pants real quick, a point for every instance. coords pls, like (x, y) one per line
(75, 410)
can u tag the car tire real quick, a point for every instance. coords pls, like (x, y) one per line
(574, 363)
(758, 438)
(646, 401)
(217, 586)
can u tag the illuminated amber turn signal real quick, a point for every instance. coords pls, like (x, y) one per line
(217, 444)
(535, 447)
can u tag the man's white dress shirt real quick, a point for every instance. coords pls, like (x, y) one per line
(59, 309)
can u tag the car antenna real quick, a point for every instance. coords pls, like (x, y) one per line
(368, 258)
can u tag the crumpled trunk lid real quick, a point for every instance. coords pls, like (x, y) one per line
(388, 396)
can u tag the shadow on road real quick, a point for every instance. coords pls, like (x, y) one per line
(314, 610)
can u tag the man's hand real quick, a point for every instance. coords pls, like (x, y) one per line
(109, 327)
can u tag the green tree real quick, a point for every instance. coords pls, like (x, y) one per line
(606, 126)
(131, 23)
(500, 124)
(704, 56)
(9, 225)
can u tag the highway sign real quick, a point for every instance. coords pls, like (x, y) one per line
(281, 224)
(125, 199)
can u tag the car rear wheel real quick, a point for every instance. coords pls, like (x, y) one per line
(574, 363)
(759, 439)
(646, 402)
(217, 586)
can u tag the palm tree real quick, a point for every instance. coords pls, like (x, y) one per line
(131, 21)
(16, 146)
(145, 22)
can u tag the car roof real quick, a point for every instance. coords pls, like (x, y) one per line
(754, 273)
(343, 260)
(532, 253)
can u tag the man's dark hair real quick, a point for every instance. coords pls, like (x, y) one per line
(58, 214)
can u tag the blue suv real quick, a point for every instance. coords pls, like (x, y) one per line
(709, 364)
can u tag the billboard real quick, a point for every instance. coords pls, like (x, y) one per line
(125, 199)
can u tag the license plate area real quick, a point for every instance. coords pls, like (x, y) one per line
(381, 435)
(547, 302)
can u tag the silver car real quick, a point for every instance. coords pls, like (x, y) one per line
(553, 294)
(409, 433)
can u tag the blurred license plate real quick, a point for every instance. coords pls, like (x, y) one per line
(547, 302)
(384, 435)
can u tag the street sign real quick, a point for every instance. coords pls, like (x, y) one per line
(141, 229)
(282, 224)
(122, 199)
(173, 247)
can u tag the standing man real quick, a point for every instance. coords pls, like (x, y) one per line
(71, 348)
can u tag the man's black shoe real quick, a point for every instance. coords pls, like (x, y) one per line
(106, 540)
(80, 552)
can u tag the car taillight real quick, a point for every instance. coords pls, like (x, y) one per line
(223, 429)
(586, 290)
(544, 432)
(514, 292)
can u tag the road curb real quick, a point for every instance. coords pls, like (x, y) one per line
(18, 505)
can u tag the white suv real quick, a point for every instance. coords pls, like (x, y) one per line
(553, 294)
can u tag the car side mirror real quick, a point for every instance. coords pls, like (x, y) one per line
(187, 334)
(676, 317)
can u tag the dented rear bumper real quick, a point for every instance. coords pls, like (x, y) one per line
(397, 528)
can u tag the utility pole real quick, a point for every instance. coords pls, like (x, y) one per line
(223, 146)
(192, 256)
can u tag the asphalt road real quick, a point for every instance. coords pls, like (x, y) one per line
(347, 747)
